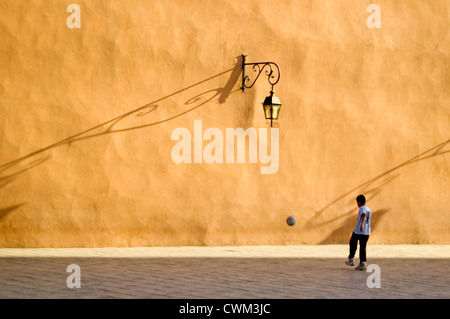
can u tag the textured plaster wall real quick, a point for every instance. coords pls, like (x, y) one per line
(87, 116)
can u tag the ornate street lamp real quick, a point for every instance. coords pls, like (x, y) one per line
(271, 104)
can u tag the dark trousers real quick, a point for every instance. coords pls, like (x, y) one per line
(362, 246)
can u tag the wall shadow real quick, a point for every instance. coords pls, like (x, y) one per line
(234, 78)
(5, 179)
(373, 187)
(7, 210)
(108, 127)
(11, 170)
(343, 233)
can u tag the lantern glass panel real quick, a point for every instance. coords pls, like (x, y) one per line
(268, 111)
(276, 111)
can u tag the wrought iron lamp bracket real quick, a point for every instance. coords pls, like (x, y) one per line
(272, 71)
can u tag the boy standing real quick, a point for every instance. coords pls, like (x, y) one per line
(361, 233)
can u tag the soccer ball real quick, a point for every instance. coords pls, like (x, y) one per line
(291, 220)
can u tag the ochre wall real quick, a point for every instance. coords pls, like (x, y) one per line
(87, 116)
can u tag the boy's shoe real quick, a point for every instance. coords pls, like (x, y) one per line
(350, 262)
(361, 267)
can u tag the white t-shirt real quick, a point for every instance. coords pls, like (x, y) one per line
(366, 227)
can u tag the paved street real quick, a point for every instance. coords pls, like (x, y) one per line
(276, 272)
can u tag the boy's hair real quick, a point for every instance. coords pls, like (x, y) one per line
(361, 199)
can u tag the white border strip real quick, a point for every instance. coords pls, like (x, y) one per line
(288, 251)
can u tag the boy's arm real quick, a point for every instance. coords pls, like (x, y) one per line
(363, 217)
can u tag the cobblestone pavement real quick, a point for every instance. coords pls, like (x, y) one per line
(259, 272)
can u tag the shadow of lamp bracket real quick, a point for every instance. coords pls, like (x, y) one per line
(271, 104)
